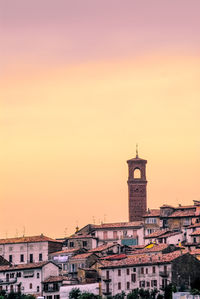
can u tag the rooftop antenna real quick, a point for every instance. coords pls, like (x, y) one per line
(137, 150)
(23, 231)
(65, 232)
(93, 219)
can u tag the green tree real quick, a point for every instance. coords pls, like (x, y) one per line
(74, 293)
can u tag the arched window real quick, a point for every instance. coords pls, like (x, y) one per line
(137, 173)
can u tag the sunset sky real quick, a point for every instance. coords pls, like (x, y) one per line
(81, 82)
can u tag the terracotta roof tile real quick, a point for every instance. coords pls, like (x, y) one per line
(153, 213)
(81, 236)
(118, 225)
(65, 251)
(143, 259)
(156, 234)
(155, 248)
(81, 256)
(31, 239)
(102, 247)
(24, 266)
(195, 233)
(186, 213)
(55, 279)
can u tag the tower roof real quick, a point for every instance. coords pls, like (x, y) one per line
(136, 159)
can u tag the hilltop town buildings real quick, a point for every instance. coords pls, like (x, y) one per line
(154, 248)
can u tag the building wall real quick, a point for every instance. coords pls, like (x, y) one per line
(143, 278)
(16, 250)
(30, 279)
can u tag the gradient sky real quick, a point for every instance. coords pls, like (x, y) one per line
(81, 82)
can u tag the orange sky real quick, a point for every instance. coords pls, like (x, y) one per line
(68, 128)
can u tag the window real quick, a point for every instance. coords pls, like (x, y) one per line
(119, 285)
(107, 274)
(30, 286)
(31, 258)
(105, 235)
(154, 283)
(38, 288)
(19, 274)
(115, 236)
(38, 275)
(40, 257)
(134, 269)
(119, 272)
(10, 258)
(148, 284)
(21, 258)
(194, 240)
(84, 243)
(154, 269)
(146, 270)
(12, 275)
(142, 270)
(142, 284)
(133, 277)
(71, 244)
(128, 285)
(137, 173)
(127, 271)
(11, 288)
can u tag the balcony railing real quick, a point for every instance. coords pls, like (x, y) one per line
(49, 290)
(8, 281)
(164, 273)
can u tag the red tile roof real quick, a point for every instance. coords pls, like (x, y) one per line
(155, 248)
(82, 256)
(114, 257)
(118, 225)
(103, 247)
(186, 213)
(153, 213)
(65, 251)
(31, 239)
(195, 233)
(81, 236)
(143, 259)
(194, 225)
(55, 279)
(24, 266)
(156, 234)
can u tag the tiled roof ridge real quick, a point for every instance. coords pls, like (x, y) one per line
(24, 266)
(27, 239)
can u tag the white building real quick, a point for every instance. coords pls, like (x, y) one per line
(28, 249)
(26, 278)
(148, 272)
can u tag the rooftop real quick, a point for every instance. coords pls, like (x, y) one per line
(31, 239)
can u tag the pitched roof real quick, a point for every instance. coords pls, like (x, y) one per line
(119, 225)
(103, 247)
(24, 266)
(79, 236)
(195, 233)
(55, 279)
(143, 259)
(155, 248)
(152, 213)
(65, 251)
(156, 234)
(179, 213)
(194, 225)
(30, 239)
(114, 257)
(82, 256)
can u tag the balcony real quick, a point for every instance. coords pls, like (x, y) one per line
(106, 279)
(164, 273)
(51, 289)
(8, 281)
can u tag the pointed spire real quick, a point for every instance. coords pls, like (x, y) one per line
(137, 150)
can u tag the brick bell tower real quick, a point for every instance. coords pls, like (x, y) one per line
(137, 188)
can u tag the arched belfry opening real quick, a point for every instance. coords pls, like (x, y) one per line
(137, 173)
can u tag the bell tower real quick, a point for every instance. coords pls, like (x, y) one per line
(137, 187)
